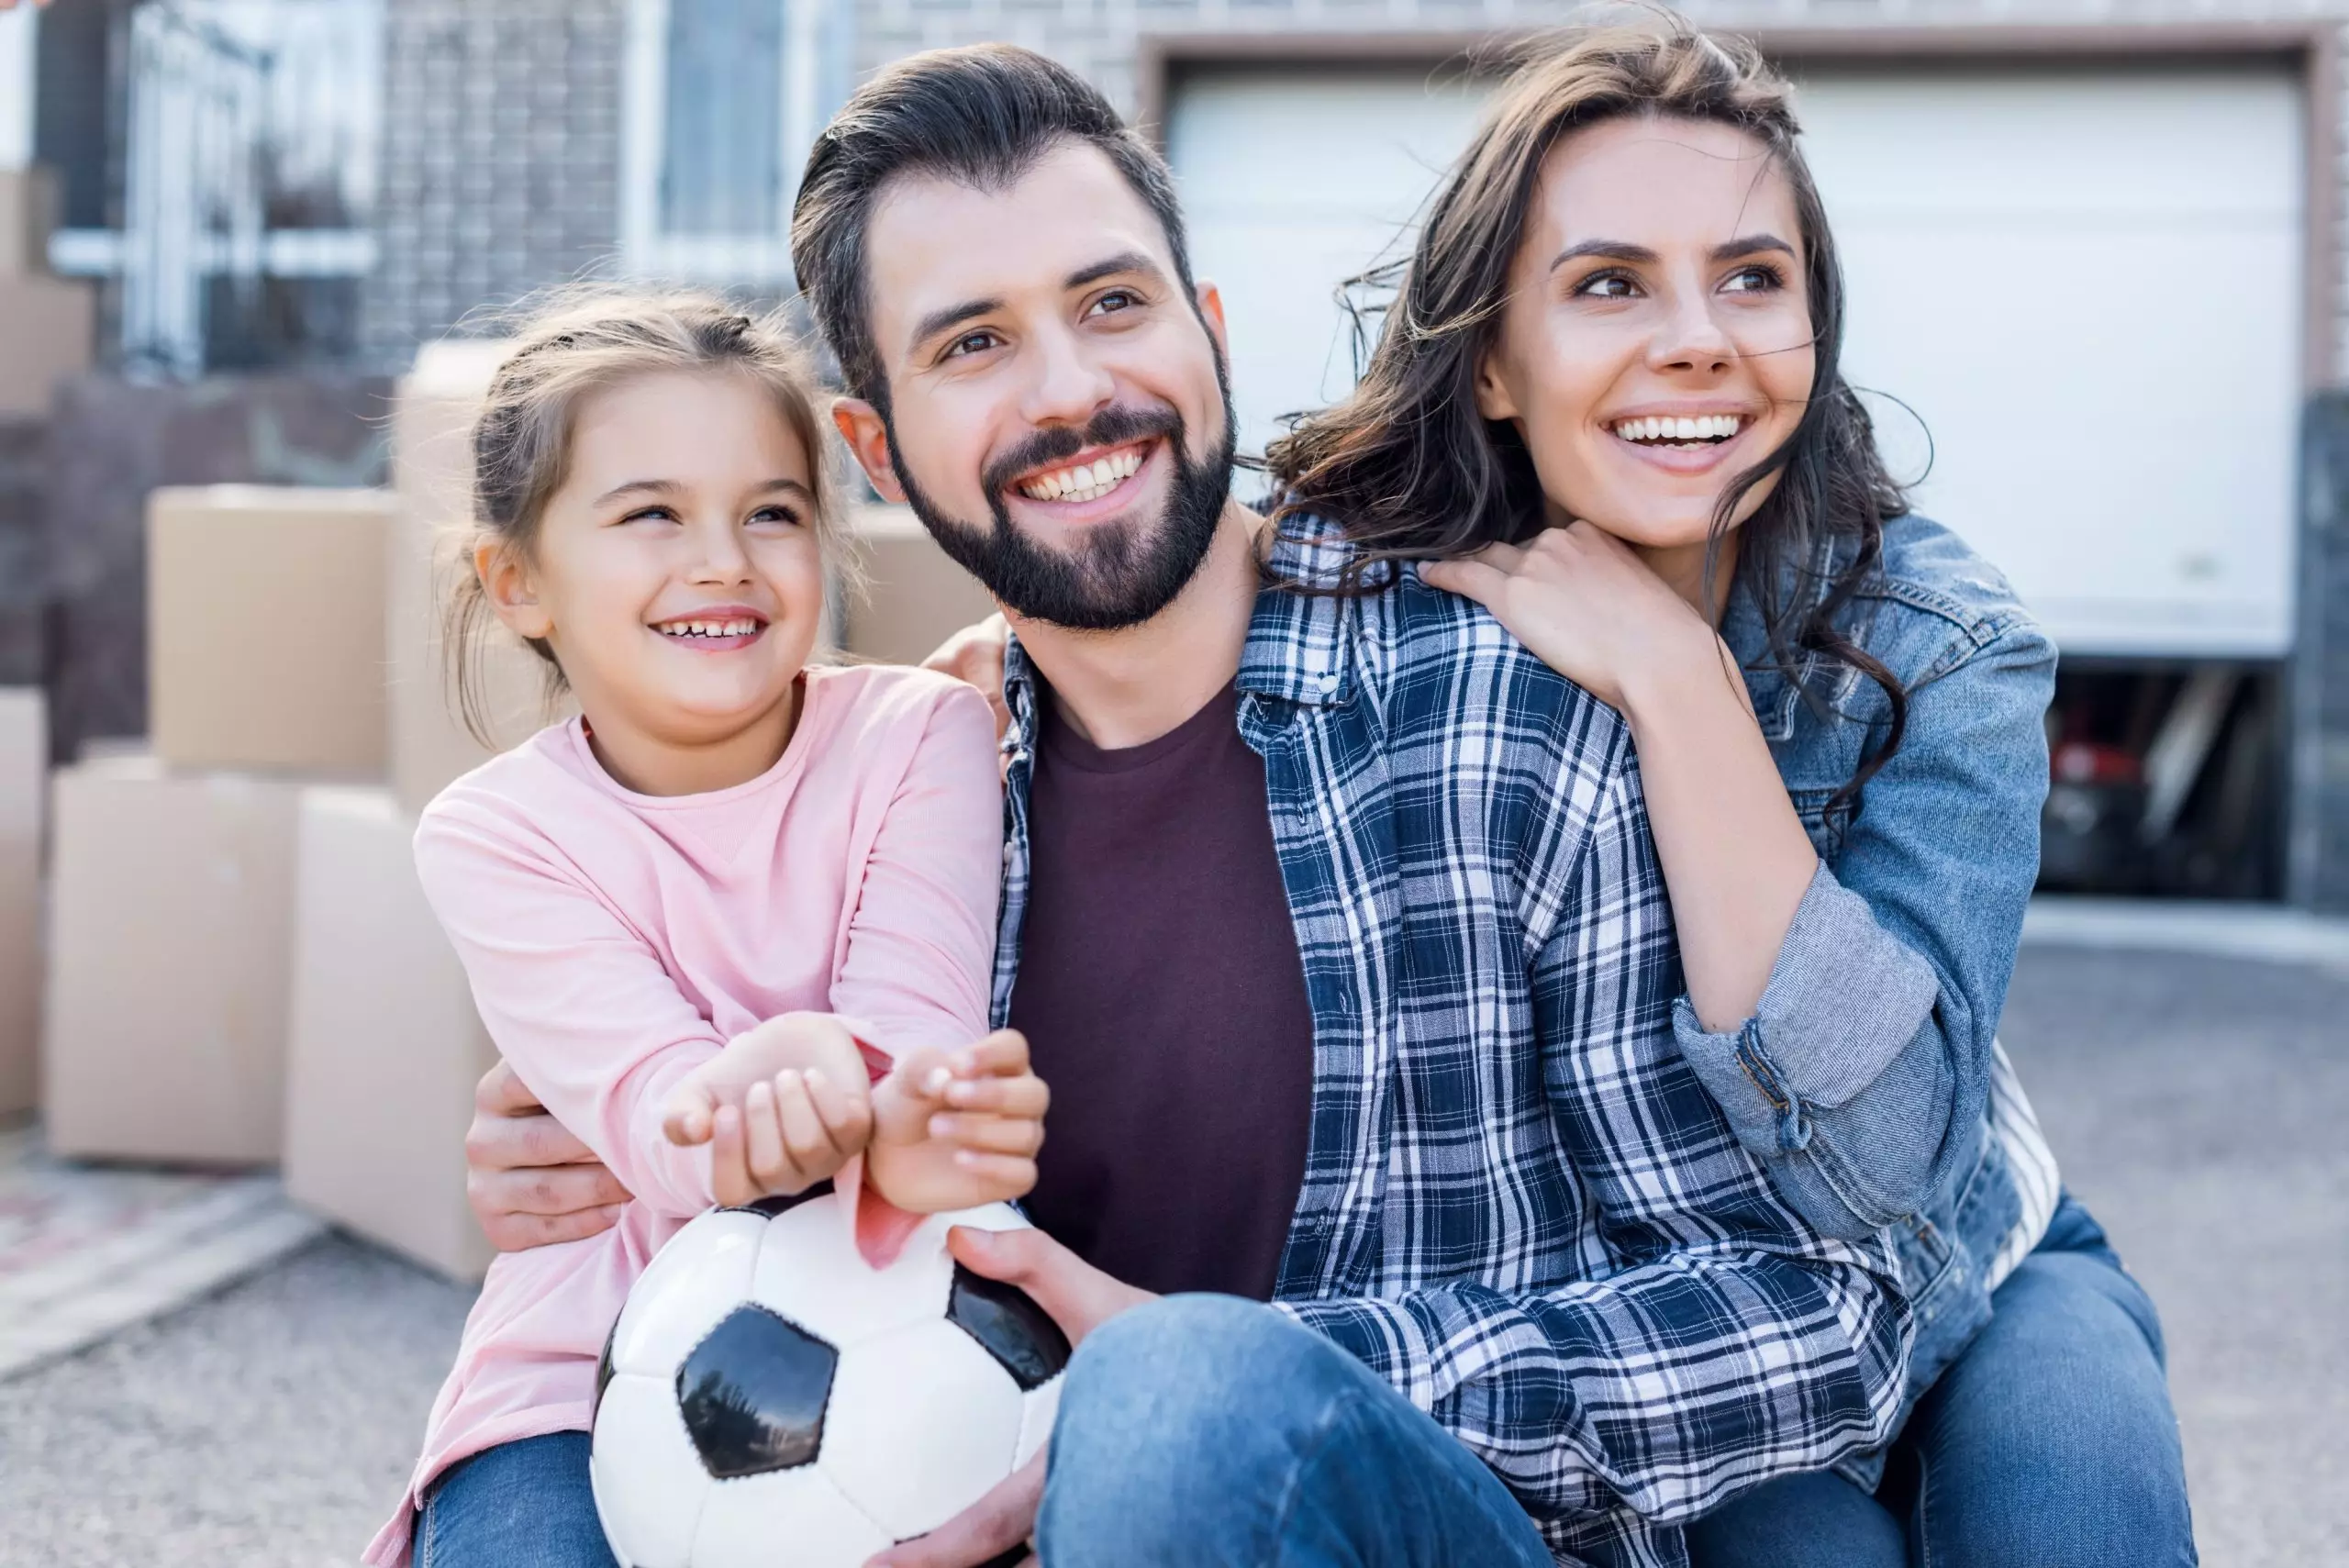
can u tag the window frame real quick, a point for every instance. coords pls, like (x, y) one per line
(722, 260)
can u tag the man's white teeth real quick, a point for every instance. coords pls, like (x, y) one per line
(707, 628)
(1085, 482)
(1664, 428)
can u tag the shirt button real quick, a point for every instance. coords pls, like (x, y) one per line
(1007, 854)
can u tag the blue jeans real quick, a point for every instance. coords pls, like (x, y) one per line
(2049, 1442)
(520, 1505)
(1204, 1429)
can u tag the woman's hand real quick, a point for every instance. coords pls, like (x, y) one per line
(1586, 606)
(974, 656)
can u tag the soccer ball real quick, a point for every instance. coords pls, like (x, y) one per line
(767, 1394)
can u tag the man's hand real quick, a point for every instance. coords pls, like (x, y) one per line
(974, 656)
(531, 1183)
(1080, 1298)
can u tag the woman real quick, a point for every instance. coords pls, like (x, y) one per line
(1607, 404)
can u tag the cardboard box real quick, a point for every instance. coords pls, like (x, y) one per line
(171, 926)
(27, 218)
(24, 748)
(384, 1046)
(914, 598)
(265, 627)
(50, 327)
(432, 424)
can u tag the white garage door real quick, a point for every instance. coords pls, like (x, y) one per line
(2086, 284)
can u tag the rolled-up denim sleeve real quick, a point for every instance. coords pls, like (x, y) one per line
(1865, 1067)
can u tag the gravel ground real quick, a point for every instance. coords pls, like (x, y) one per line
(2196, 1103)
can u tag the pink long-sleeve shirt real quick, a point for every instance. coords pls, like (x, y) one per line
(615, 940)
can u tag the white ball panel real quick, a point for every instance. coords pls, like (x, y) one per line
(810, 1271)
(1038, 1407)
(794, 1517)
(987, 1217)
(693, 1282)
(650, 1483)
(922, 1423)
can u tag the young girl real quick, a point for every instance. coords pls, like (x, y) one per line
(1606, 399)
(694, 915)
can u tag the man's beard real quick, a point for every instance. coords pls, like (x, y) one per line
(1115, 575)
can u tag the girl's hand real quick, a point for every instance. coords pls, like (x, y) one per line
(953, 1129)
(1586, 606)
(783, 1107)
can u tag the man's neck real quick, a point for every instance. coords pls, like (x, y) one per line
(1130, 686)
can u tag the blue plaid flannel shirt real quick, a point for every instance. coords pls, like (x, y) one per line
(1519, 1205)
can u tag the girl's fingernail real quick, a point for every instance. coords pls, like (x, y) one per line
(964, 1157)
(937, 1082)
(815, 1076)
(941, 1125)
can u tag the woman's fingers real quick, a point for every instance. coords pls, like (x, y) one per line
(1468, 577)
(989, 1134)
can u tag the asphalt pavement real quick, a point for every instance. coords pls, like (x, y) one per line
(2197, 1104)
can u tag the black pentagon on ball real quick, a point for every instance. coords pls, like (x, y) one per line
(783, 1203)
(1009, 1326)
(604, 1369)
(752, 1394)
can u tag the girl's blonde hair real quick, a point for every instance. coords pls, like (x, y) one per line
(571, 345)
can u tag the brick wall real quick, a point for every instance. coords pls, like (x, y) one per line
(501, 159)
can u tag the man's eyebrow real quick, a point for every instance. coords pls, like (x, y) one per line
(1110, 266)
(939, 320)
(1640, 255)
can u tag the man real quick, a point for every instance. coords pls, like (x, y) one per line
(1334, 921)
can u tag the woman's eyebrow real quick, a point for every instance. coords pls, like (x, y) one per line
(1641, 255)
(1747, 245)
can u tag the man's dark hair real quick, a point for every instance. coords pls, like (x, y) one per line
(981, 115)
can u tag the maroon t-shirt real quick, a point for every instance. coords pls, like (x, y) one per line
(1164, 1001)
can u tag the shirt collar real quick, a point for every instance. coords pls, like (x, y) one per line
(1297, 642)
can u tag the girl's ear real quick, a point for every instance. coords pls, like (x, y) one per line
(1493, 398)
(507, 583)
(867, 437)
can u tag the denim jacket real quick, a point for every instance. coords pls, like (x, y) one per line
(1865, 1080)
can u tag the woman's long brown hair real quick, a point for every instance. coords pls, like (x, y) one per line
(1410, 470)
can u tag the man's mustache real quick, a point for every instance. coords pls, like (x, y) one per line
(1112, 427)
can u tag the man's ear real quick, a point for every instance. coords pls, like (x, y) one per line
(506, 581)
(1210, 301)
(1493, 399)
(867, 437)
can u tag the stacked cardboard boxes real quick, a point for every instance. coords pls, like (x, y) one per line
(49, 323)
(173, 911)
(23, 754)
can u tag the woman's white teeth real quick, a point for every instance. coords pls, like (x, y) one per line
(707, 628)
(1665, 428)
(1085, 482)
